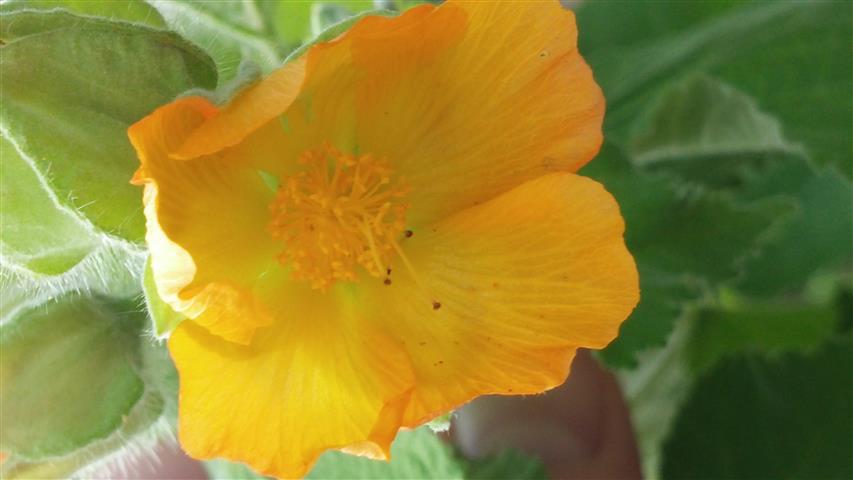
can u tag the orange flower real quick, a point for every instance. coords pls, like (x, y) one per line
(383, 230)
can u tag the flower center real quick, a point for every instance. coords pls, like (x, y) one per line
(340, 212)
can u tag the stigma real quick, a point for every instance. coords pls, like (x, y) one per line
(341, 212)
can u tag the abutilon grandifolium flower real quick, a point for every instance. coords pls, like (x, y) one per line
(382, 230)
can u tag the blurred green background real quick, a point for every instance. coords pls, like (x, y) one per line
(728, 146)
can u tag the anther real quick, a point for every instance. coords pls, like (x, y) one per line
(387, 281)
(436, 305)
(339, 213)
(408, 233)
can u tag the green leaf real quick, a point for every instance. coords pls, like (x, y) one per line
(415, 454)
(785, 57)
(113, 269)
(751, 417)
(655, 391)
(150, 421)
(334, 30)
(230, 31)
(664, 299)
(16, 287)
(816, 238)
(657, 388)
(37, 232)
(293, 21)
(290, 21)
(509, 465)
(767, 329)
(164, 318)
(136, 11)
(68, 376)
(324, 15)
(71, 87)
(708, 132)
(612, 23)
(682, 232)
(681, 241)
(225, 470)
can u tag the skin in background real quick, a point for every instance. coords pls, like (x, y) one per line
(580, 430)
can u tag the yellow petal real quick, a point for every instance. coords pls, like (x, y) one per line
(317, 379)
(473, 98)
(206, 221)
(246, 112)
(522, 281)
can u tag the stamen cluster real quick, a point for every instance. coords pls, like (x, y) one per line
(340, 212)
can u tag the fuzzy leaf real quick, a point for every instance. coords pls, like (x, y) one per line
(680, 240)
(415, 454)
(767, 329)
(136, 11)
(710, 133)
(71, 87)
(784, 54)
(293, 22)
(664, 299)
(229, 31)
(509, 465)
(150, 421)
(69, 377)
(789, 417)
(37, 232)
(816, 238)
